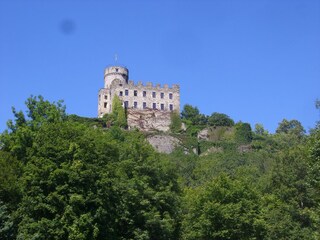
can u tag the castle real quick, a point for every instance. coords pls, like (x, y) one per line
(148, 106)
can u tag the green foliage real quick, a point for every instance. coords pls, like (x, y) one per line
(293, 127)
(39, 111)
(222, 209)
(313, 148)
(193, 115)
(77, 182)
(243, 133)
(292, 199)
(10, 194)
(118, 113)
(7, 230)
(9, 176)
(220, 133)
(220, 119)
(176, 122)
(19, 138)
(92, 122)
(259, 130)
(62, 178)
(116, 118)
(81, 183)
(192, 130)
(190, 113)
(317, 104)
(188, 143)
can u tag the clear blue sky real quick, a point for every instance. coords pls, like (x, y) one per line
(257, 61)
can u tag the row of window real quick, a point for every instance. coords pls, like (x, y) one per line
(144, 105)
(144, 94)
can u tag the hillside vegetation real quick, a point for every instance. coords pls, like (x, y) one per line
(68, 177)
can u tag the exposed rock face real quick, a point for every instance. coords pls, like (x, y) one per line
(204, 134)
(244, 148)
(149, 119)
(215, 133)
(212, 150)
(163, 143)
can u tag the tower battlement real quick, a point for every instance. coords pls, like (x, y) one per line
(115, 72)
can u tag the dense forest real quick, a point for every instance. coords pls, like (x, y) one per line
(69, 177)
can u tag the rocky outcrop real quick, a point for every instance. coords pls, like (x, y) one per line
(212, 150)
(163, 143)
(203, 134)
(244, 148)
(215, 133)
(149, 119)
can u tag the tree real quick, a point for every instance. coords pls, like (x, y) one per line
(79, 182)
(175, 125)
(317, 104)
(85, 183)
(118, 113)
(313, 149)
(10, 172)
(243, 133)
(191, 114)
(7, 230)
(293, 127)
(10, 194)
(222, 209)
(293, 193)
(39, 111)
(19, 136)
(259, 129)
(220, 119)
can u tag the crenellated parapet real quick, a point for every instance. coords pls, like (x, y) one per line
(150, 86)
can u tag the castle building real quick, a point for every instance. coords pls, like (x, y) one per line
(138, 99)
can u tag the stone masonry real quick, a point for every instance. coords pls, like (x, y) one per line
(148, 106)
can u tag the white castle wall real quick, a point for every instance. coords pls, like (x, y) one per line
(138, 97)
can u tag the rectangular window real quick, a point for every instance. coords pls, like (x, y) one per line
(126, 92)
(170, 95)
(135, 93)
(162, 106)
(171, 107)
(105, 96)
(144, 105)
(144, 93)
(154, 105)
(105, 105)
(126, 104)
(120, 93)
(135, 104)
(162, 95)
(153, 94)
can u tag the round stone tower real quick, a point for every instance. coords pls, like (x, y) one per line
(115, 72)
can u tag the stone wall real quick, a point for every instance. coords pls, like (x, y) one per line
(163, 143)
(149, 119)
